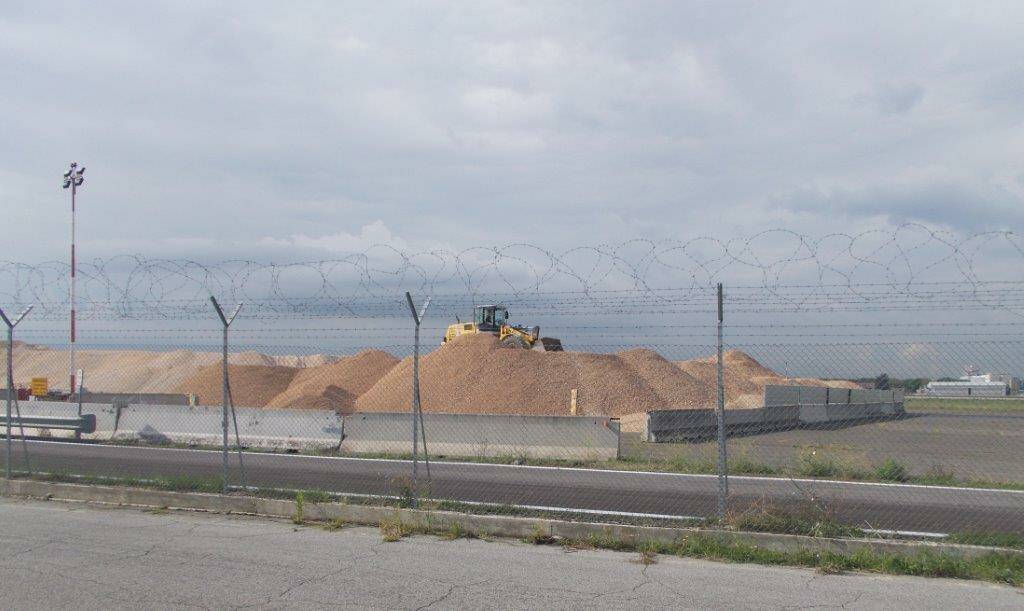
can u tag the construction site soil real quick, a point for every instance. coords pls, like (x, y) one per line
(473, 374)
(476, 375)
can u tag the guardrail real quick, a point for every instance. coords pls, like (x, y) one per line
(84, 424)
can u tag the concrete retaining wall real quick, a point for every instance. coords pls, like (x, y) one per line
(687, 424)
(986, 391)
(568, 437)
(785, 407)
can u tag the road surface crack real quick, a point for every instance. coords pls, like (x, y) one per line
(451, 588)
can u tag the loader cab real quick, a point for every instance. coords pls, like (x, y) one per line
(490, 318)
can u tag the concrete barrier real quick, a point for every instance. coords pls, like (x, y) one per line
(259, 428)
(835, 413)
(131, 398)
(785, 407)
(567, 437)
(693, 424)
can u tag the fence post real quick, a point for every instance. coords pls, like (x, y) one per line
(417, 411)
(225, 391)
(723, 470)
(10, 381)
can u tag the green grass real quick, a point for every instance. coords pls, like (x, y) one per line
(891, 471)
(999, 567)
(457, 531)
(1011, 540)
(938, 404)
(318, 496)
(806, 518)
(299, 517)
(174, 483)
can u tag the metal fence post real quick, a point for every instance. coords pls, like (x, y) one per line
(10, 380)
(417, 411)
(225, 390)
(723, 470)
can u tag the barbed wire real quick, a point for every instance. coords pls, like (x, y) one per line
(908, 267)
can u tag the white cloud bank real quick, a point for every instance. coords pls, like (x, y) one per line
(280, 130)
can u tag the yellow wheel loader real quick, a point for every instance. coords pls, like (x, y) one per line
(493, 319)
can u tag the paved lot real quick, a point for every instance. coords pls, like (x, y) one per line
(970, 446)
(64, 555)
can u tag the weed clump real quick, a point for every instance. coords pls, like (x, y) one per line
(892, 471)
(811, 464)
(457, 531)
(805, 518)
(539, 536)
(393, 529)
(299, 517)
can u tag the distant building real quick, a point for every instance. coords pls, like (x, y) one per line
(983, 385)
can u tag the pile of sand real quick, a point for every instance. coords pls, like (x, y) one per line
(137, 371)
(476, 375)
(251, 385)
(335, 385)
(744, 378)
(471, 375)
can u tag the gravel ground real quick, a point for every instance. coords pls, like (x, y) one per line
(971, 446)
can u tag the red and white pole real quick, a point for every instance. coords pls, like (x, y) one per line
(71, 366)
(73, 178)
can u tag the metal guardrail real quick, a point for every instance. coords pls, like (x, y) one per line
(86, 423)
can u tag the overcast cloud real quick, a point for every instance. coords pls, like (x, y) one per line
(291, 130)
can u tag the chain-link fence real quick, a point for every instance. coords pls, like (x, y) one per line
(828, 415)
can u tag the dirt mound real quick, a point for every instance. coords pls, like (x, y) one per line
(745, 378)
(471, 375)
(474, 374)
(111, 370)
(137, 371)
(308, 360)
(335, 385)
(251, 385)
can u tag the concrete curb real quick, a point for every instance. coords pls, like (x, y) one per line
(489, 525)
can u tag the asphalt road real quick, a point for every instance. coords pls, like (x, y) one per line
(880, 506)
(82, 557)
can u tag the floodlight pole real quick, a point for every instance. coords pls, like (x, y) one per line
(73, 179)
(225, 389)
(10, 378)
(417, 408)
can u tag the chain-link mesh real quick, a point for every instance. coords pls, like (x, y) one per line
(830, 423)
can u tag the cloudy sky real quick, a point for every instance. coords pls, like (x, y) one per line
(279, 131)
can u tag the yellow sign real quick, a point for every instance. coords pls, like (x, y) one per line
(40, 386)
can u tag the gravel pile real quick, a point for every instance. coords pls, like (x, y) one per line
(335, 385)
(251, 385)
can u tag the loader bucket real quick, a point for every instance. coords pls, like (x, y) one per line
(548, 344)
